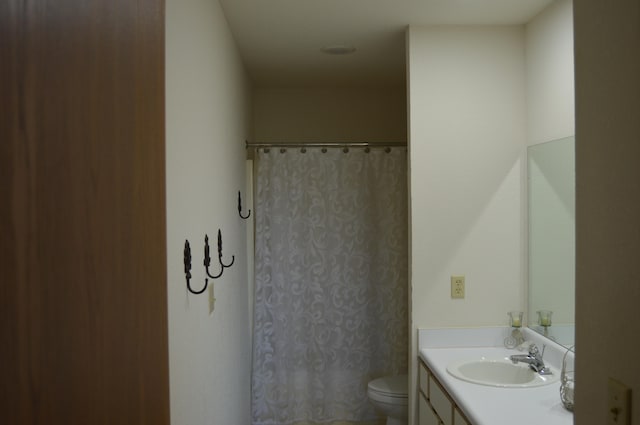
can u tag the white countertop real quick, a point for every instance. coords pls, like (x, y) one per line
(486, 405)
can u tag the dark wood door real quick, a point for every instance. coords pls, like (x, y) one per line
(83, 297)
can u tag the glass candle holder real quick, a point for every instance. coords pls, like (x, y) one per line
(544, 318)
(515, 338)
(567, 382)
(515, 318)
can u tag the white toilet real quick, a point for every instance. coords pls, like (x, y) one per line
(389, 396)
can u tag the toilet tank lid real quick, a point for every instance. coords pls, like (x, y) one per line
(397, 384)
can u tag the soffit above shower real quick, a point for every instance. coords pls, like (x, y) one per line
(281, 41)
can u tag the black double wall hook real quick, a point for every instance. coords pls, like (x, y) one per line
(207, 257)
(207, 262)
(240, 208)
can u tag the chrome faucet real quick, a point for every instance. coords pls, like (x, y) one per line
(533, 359)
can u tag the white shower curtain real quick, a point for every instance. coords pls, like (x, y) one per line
(331, 282)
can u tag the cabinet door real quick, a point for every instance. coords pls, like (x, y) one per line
(423, 379)
(426, 415)
(458, 418)
(439, 399)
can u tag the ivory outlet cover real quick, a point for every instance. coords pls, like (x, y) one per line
(212, 298)
(457, 286)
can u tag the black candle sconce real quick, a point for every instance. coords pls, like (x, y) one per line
(207, 263)
(240, 208)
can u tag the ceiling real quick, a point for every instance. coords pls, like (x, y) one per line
(280, 41)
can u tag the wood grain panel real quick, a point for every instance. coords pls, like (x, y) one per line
(82, 222)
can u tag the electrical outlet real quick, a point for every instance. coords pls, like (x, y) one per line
(619, 403)
(457, 286)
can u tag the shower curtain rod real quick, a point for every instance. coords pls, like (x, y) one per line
(327, 145)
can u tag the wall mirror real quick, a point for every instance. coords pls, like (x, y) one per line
(551, 217)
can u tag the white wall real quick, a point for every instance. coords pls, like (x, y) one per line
(607, 40)
(466, 95)
(467, 136)
(208, 119)
(549, 72)
(287, 115)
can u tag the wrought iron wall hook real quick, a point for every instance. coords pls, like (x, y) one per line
(207, 263)
(187, 269)
(187, 259)
(207, 257)
(240, 208)
(233, 257)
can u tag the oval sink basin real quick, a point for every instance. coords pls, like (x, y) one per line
(499, 373)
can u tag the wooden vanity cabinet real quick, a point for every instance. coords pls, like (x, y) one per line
(435, 405)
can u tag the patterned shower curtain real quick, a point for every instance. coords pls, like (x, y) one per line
(331, 282)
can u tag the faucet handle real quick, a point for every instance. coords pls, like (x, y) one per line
(535, 352)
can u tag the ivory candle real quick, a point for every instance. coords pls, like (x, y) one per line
(515, 318)
(544, 317)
